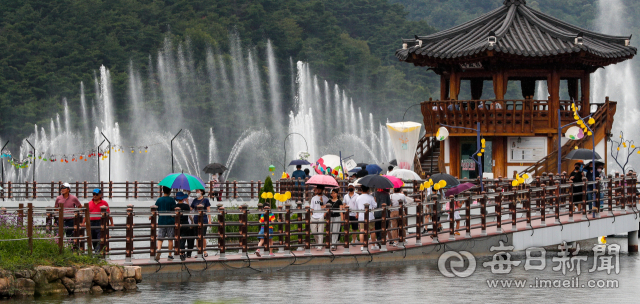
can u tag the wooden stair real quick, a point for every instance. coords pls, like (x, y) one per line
(603, 116)
(427, 160)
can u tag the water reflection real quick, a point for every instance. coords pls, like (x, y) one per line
(409, 284)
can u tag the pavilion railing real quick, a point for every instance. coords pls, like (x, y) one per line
(237, 228)
(495, 116)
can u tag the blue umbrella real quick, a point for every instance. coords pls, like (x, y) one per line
(373, 169)
(182, 181)
(300, 162)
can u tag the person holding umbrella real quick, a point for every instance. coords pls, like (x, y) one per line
(396, 198)
(334, 205)
(350, 200)
(382, 197)
(298, 175)
(576, 177)
(182, 202)
(201, 200)
(317, 218)
(366, 198)
(165, 204)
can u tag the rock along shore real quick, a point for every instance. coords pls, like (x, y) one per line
(47, 280)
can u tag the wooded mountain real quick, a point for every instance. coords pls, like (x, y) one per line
(48, 46)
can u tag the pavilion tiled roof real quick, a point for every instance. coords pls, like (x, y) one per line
(519, 31)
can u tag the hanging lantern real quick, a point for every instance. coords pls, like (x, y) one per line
(442, 134)
(272, 168)
(574, 133)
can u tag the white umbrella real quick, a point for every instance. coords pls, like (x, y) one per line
(405, 174)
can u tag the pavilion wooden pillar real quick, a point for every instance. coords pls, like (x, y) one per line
(444, 87)
(454, 85)
(499, 85)
(553, 83)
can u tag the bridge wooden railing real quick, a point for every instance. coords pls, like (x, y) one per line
(236, 229)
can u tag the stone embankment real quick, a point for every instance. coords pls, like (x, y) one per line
(46, 280)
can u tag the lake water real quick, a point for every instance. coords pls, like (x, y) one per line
(421, 283)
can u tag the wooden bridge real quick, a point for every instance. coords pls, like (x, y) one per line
(528, 215)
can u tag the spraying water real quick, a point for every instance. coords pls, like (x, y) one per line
(617, 81)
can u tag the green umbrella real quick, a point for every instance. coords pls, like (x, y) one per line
(182, 181)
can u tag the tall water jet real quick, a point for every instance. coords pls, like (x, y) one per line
(274, 90)
(67, 122)
(213, 148)
(83, 108)
(168, 80)
(542, 92)
(617, 81)
(256, 88)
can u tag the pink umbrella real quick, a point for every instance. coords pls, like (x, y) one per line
(323, 180)
(397, 183)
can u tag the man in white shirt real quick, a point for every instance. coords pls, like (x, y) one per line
(317, 204)
(396, 198)
(350, 200)
(366, 198)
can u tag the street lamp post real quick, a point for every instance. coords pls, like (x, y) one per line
(593, 143)
(172, 171)
(2, 161)
(109, 149)
(98, 160)
(284, 145)
(34, 160)
(475, 156)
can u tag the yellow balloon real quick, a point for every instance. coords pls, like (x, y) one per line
(277, 196)
(521, 181)
(442, 183)
(479, 154)
(421, 187)
(526, 176)
(514, 183)
(263, 195)
(430, 181)
(589, 133)
(269, 195)
(591, 121)
(288, 194)
(576, 117)
(436, 187)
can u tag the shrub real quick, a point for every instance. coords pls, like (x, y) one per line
(15, 255)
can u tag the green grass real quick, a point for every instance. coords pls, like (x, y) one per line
(15, 255)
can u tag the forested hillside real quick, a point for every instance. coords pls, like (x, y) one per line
(48, 46)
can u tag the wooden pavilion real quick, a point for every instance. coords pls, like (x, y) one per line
(510, 45)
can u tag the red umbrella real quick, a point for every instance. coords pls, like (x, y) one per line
(397, 183)
(322, 180)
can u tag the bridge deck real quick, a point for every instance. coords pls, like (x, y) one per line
(443, 238)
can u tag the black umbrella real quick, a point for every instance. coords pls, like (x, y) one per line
(583, 154)
(300, 162)
(362, 165)
(214, 168)
(376, 181)
(362, 173)
(393, 162)
(451, 181)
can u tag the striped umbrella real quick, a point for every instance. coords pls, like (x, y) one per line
(182, 181)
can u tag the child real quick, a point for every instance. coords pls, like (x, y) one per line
(272, 219)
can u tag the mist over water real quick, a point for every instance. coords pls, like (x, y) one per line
(228, 107)
(618, 81)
